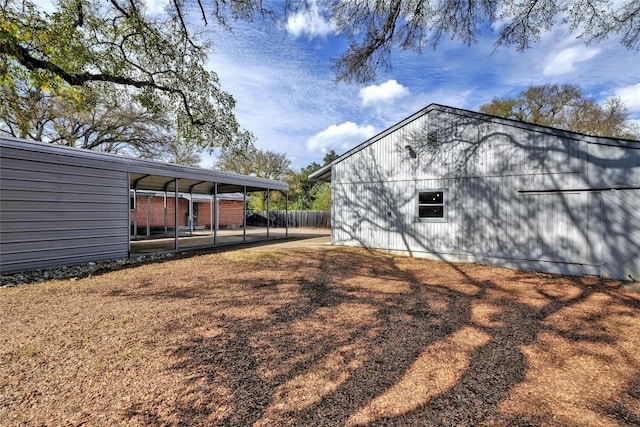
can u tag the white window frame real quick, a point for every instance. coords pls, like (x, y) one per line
(444, 204)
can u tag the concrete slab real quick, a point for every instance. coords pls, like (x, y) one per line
(254, 235)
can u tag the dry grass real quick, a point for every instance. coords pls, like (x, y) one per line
(320, 337)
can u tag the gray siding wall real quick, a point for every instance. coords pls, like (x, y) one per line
(500, 210)
(57, 210)
(621, 234)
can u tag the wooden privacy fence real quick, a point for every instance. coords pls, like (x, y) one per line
(297, 219)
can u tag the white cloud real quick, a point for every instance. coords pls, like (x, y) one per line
(286, 93)
(155, 7)
(309, 22)
(630, 95)
(386, 92)
(340, 137)
(564, 61)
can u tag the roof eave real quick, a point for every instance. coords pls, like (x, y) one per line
(323, 174)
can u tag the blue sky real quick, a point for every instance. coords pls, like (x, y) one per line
(280, 75)
(286, 95)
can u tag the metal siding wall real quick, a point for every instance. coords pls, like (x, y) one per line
(344, 216)
(483, 166)
(487, 217)
(621, 234)
(558, 228)
(59, 210)
(612, 166)
(467, 147)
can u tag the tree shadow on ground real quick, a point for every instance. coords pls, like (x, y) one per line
(353, 337)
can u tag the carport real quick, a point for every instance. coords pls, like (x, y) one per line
(179, 237)
(63, 206)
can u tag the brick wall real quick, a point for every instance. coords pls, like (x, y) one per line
(157, 212)
(230, 214)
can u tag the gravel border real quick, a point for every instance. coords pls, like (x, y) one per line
(78, 271)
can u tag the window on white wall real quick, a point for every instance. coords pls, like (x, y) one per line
(431, 205)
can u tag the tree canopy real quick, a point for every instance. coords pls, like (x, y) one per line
(303, 194)
(261, 163)
(66, 73)
(116, 41)
(252, 161)
(307, 194)
(565, 107)
(82, 118)
(112, 76)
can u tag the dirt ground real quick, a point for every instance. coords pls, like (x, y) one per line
(308, 336)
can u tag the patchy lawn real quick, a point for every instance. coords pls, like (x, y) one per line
(320, 337)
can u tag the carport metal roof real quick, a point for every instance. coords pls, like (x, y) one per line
(149, 175)
(157, 176)
(201, 183)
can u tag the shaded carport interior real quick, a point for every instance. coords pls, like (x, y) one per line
(213, 184)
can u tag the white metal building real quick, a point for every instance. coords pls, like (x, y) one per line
(458, 185)
(61, 206)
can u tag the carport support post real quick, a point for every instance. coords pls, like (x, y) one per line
(268, 200)
(130, 207)
(190, 217)
(166, 231)
(286, 214)
(244, 214)
(214, 222)
(211, 213)
(135, 214)
(148, 216)
(175, 217)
